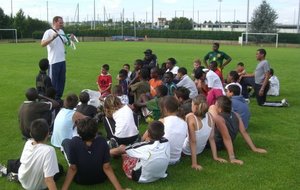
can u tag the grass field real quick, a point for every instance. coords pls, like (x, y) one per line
(275, 129)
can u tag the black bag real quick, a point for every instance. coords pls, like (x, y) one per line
(13, 165)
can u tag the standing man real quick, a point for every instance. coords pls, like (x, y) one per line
(261, 77)
(55, 40)
(218, 56)
(150, 60)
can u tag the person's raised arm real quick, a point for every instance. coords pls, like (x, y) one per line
(46, 42)
(247, 138)
(72, 170)
(50, 183)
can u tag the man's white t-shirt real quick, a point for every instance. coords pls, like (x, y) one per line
(38, 161)
(56, 49)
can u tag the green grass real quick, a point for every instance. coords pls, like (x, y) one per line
(275, 129)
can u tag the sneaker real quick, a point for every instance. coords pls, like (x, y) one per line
(113, 143)
(3, 170)
(12, 177)
(247, 100)
(284, 103)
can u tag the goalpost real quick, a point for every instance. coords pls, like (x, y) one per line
(15, 34)
(241, 39)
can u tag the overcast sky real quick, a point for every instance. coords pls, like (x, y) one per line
(142, 9)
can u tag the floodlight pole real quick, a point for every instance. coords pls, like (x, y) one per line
(152, 13)
(47, 12)
(298, 28)
(11, 7)
(134, 28)
(193, 12)
(220, 13)
(94, 25)
(123, 24)
(247, 24)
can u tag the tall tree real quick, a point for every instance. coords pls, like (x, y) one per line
(181, 23)
(35, 25)
(263, 19)
(20, 22)
(4, 20)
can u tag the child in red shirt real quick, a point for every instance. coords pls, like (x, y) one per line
(104, 82)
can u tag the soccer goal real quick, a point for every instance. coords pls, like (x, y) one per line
(9, 34)
(259, 38)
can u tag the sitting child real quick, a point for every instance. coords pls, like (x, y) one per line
(154, 81)
(200, 81)
(175, 128)
(38, 160)
(185, 103)
(119, 122)
(33, 109)
(152, 105)
(201, 129)
(196, 65)
(141, 87)
(43, 81)
(147, 161)
(240, 69)
(122, 81)
(88, 157)
(168, 82)
(104, 82)
(187, 82)
(233, 78)
(64, 122)
(228, 124)
(239, 104)
(84, 108)
(118, 91)
(274, 85)
(127, 68)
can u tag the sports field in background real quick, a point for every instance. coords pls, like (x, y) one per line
(276, 129)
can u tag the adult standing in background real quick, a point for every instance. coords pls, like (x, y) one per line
(55, 39)
(150, 60)
(218, 56)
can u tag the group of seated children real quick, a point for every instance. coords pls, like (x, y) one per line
(185, 116)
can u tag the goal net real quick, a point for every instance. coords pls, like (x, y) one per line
(9, 35)
(259, 38)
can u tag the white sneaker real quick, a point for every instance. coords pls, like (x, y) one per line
(247, 100)
(284, 103)
(3, 170)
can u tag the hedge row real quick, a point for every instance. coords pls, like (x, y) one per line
(179, 34)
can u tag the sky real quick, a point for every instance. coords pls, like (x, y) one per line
(141, 10)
